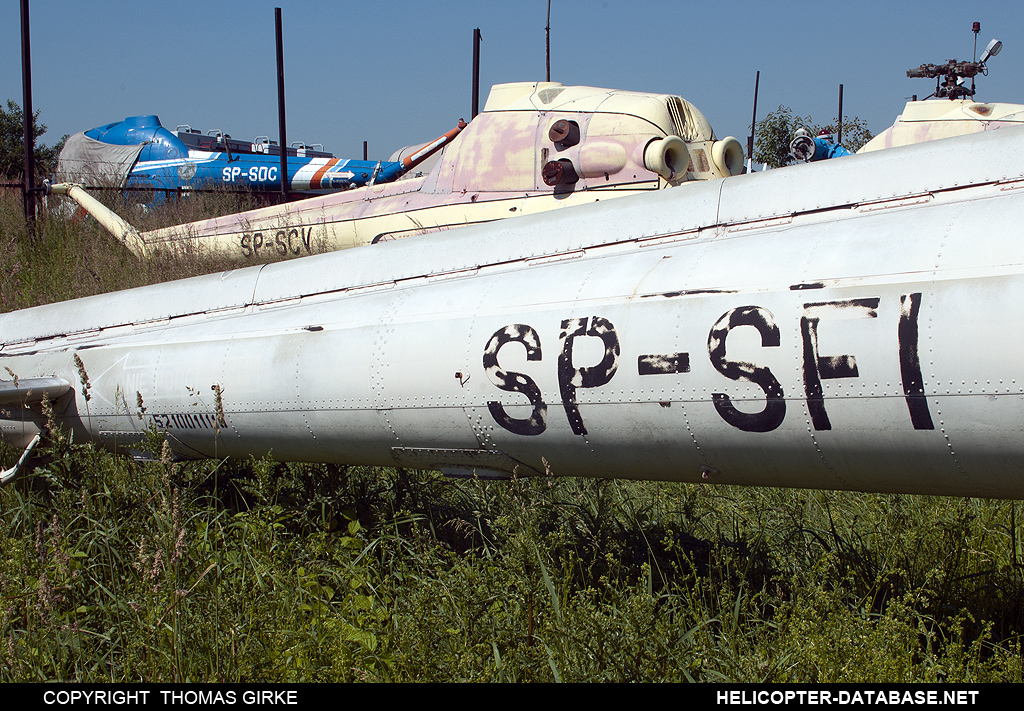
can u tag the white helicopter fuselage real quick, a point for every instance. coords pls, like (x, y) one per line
(851, 324)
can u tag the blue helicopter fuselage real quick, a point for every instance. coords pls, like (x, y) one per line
(167, 163)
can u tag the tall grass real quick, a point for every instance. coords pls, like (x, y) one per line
(113, 570)
(69, 255)
(244, 571)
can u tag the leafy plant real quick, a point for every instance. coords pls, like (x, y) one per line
(12, 145)
(775, 131)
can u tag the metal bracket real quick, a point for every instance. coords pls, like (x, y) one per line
(9, 474)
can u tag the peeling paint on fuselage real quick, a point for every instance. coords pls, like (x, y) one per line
(492, 171)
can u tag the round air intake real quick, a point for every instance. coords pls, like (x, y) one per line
(727, 156)
(667, 157)
(559, 172)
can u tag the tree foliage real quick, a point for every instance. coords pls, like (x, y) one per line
(775, 131)
(12, 147)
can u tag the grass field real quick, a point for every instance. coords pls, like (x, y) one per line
(114, 570)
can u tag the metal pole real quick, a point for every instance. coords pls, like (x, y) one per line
(364, 150)
(753, 124)
(27, 122)
(476, 71)
(280, 105)
(547, 42)
(839, 131)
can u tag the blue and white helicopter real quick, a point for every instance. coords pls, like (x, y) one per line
(140, 153)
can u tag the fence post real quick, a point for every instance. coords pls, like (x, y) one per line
(28, 195)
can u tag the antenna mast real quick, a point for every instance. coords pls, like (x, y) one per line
(547, 42)
(753, 125)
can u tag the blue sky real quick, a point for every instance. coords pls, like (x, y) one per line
(396, 73)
